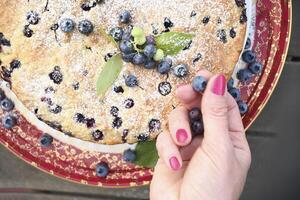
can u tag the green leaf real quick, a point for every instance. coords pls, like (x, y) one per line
(173, 42)
(146, 154)
(107, 37)
(109, 74)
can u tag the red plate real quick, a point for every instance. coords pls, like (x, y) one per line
(272, 35)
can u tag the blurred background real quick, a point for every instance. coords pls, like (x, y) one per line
(274, 140)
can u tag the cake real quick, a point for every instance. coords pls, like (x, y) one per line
(52, 53)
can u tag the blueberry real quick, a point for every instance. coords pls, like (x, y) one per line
(149, 64)
(131, 81)
(197, 128)
(230, 83)
(116, 33)
(199, 83)
(2, 95)
(118, 89)
(125, 17)
(164, 66)
(255, 67)
(117, 122)
(232, 33)
(55, 108)
(67, 25)
(206, 19)
(90, 122)
(243, 17)
(235, 93)
(129, 103)
(32, 17)
(80, 118)
(248, 43)
(154, 125)
(97, 135)
(27, 31)
(249, 56)
(139, 59)
(244, 75)
(164, 88)
(168, 23)
(142, 137)
(102, 169)
(46, 140)
(85, 27)
(126, 47)
(129, 155)
(150, 39)
(85, 6)
(243, 107)
(195, 114)
(149, 50)
(7, 104)
(180, 70)
(128, 57)
(221, 34)
(9, 121)
(114, 111)
(56, 76)
(14, 64)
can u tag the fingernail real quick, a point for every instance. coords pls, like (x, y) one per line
(174, 163)
(219, 85)
(181, 135)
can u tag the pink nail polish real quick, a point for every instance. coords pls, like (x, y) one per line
(174, 163)
(181, 135)
(219, 85)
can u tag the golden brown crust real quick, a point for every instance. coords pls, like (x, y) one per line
(42, 52)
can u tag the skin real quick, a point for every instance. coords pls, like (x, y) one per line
(213, 166)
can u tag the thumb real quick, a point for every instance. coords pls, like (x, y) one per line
(215, 111)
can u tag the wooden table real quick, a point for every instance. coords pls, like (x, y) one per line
(274, 139)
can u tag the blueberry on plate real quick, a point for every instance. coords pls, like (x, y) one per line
(197, 127)
(129, 103)
(164, 66)
(118, 89)
(125, 17)
(249, 56)
(255, 67)
(46, 140)
(131, 81)
(199, 83)
(129, 155)
(248, 43)
(180, 70)
(230, 83)
(195, 114)
(149, 64)
(150, 50)
(139, 59)
(67, 25)
(128, 57)
(85, 27)
(7, 104)
(243, 107)
(116, 33)
(244, 75)
(9, 121)
(235, 93)
(102, 169)
(126, 47)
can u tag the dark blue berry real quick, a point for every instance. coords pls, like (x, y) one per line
(117, 122)
(131, 81)
(249, 56)
(67, 25)
(180, 70)
(255, 67)
(164, 66)
(7, 104)
(154, 125)
(118, 89)
(206, 19)
(27, 31)
(46, 140)
(164, 88)
(243, 17)
(55, 108)
(128, 57)
(129, 103)
(149, 50)
(199, 83)
(114, 111)
(248, 43)
(139, 59)
(116, 33)
(244, 75)
(56, 76)
(2, 95)
(85, 27)
(230, 83)
(197, 128)
(90, 122)
(97, 135)
(126, 47)
(9, 121)
(195, 114)
(129, 155)
(150, 39)
(235, 93)
(232, 33)
(32, 17)
(14, 64)
(142, 137)
(102, 169)
(86, 6)
(221, 34)
(168, 23)
(243, 107)
(149, 64)
(80, 118)
(125, 17)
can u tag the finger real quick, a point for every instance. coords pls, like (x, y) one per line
(187, 152)
(168, 151)
(179, 126)
(187, 96)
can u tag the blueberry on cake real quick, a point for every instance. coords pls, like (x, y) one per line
(106, 71)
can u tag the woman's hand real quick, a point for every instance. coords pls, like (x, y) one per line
(209, 167)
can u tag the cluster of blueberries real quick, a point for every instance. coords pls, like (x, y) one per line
(85, 26)
(9, 120)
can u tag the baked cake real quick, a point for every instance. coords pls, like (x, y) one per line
(52, 53)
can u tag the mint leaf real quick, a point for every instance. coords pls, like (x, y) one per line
(146, 154)
(109, 74)
(107, 37)
(173, 42)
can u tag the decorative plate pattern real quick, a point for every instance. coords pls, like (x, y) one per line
(272, 35)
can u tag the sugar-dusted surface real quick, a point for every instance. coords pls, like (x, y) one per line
(42, 52)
